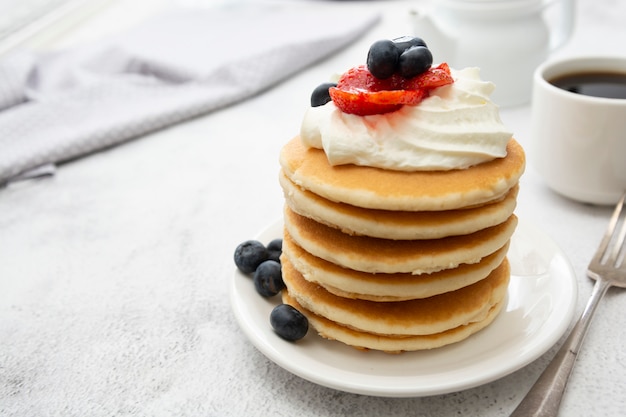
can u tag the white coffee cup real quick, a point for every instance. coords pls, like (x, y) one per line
(578, 142)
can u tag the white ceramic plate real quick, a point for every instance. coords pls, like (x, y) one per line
(540, 306)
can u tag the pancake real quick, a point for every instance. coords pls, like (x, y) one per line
(374, 255)
(389, 344)
(402, 318)
(363, 340)
(404, 225)
(349, 283)
(377, 188)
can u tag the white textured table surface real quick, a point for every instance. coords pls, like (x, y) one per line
(114, 274)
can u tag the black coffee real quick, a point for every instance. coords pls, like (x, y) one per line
(596, 84)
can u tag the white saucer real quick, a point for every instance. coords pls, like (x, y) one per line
(540, 306)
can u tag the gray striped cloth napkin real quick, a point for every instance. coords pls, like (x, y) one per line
(61, 105)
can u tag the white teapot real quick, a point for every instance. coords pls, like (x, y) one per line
(506, 39)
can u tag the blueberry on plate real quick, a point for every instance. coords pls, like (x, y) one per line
(268, 279)
(249, 255)
(414, 61)
(275, 249)
(320, 94)
(382, 59)
(288, 322)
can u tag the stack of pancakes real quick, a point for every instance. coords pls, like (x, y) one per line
(393, 260)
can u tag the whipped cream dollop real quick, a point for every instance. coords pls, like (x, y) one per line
(456, 127)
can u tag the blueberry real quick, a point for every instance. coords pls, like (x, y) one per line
(249, 255)
(275, 249)
(382, 59)
(276, 244)
(288, 322)
(268, 279)
(320, 95)
(414, 61)
(405, 42)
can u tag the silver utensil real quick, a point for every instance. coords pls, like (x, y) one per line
(608, 269)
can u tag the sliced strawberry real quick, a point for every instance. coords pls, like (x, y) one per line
(364, 103)
(433, 78)
(360, 102)
(360, 78)
(359, 92)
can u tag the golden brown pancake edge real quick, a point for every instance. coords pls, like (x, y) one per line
(377, 188)
(402, 318)
(375, 255)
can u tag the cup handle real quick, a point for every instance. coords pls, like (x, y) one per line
(566, 27)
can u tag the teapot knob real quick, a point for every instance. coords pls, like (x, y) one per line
(566, 27)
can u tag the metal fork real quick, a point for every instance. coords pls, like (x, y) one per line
(608, 269)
